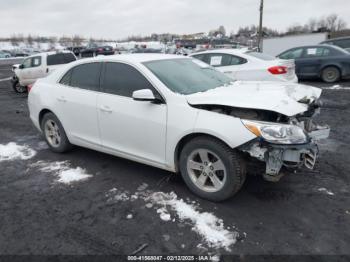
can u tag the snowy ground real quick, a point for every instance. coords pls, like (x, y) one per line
(85, 202)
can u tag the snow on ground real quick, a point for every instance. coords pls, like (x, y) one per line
(325, 190)
(13, 151)
(5, 79)
(207, 225)
(63, 171)
(337, 87)
(171, 209)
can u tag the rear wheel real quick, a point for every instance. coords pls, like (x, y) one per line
(54, 134)
(330, 74)
(18, 88)
(211, 169)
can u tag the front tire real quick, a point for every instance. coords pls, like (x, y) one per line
(18, 88)
(54, 134)
(330, 74)
(211, 169)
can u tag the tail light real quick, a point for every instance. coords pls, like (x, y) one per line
(278, 70)
(100, 49)
(29, 87)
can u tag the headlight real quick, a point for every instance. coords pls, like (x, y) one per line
(277, 133)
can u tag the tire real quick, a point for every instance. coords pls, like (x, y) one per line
(218, 178)
(54, 134)
(330, 74)
(18, 88)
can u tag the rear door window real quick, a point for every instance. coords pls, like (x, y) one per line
(202, 57)
(59, 59)
(316, 52)
(85, 76)
(225, 60)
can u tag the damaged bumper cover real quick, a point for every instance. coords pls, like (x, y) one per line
(289, 155)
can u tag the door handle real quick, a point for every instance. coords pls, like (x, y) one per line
(61, 99)
(105, 109)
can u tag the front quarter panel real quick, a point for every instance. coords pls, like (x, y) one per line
(229, 129)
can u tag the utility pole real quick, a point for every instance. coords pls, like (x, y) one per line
(260, 36)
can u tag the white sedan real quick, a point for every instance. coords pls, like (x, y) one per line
(241, 64)
(178, 114)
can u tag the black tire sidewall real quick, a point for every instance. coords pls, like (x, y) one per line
(14, 86)
(65, 144)
(328, 68)
(231, 161)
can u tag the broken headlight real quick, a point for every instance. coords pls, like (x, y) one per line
(277, 133)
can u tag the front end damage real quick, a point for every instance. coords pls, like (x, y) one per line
(289, 155)
(280, 154)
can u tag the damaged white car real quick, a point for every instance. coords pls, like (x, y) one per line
(181, 115)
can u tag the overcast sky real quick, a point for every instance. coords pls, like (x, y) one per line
(116, 19)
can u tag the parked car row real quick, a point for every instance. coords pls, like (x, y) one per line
(131, 105)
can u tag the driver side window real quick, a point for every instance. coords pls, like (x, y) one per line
(27, 63)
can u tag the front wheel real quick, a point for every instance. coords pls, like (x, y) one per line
(18, 88)
(211, 169)
(54, 133)
(330, 74)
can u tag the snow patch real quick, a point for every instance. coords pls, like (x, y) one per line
(13, 151)
(207, 225)
(325, 190)
(116, 195)
(64, 172)
(337, 87)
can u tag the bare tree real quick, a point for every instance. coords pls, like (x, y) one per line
(77, 40)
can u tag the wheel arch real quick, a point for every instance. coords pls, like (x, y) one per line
(185, 139)
(331, 65)
(42, 113)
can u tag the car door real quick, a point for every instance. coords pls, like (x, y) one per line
(31, 71)
(311, 61)
(136, 129)
(75, 104)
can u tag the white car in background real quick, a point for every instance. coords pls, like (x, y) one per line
(179, 114)
(241, 64)
(38, 66)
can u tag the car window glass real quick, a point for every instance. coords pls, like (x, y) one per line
(36, 61)
(235, 60)
(292, 54)
(65, 80)
(27, 63)
(86, 76)
(68, 57)
(56, 59)
(316, 52)
(122, 79)
(215, 60)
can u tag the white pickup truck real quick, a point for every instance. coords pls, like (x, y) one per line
(38, 66)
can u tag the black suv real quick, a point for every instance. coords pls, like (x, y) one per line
(94, 50)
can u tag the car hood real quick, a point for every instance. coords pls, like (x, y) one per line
(280, 97)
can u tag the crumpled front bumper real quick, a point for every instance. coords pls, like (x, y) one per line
(277, 156)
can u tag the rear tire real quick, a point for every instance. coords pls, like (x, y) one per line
(54, 134)
(18, 88)
(211, 169)
(330, 74)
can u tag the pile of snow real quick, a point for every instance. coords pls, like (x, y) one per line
(207, 225)
(64, 172)
(325, 190)
(13, 151)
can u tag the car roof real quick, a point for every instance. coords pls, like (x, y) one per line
(335, 39)
(51, 53)
(230, 51)
(136, 58)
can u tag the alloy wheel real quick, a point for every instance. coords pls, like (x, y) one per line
(206, 170)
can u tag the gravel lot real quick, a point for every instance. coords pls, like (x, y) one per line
(305, 213)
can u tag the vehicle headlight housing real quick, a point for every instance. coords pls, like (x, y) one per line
(277, 133)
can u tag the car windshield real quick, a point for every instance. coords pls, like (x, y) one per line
(187, 76)
(261, 56)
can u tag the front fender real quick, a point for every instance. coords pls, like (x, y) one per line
(227, 128)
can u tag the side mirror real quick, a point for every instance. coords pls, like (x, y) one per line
(21, 66)
(144, 95)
